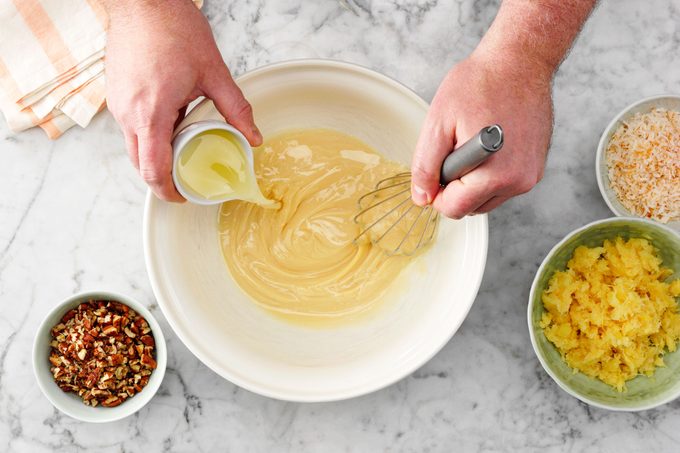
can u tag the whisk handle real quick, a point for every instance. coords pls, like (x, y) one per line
(472, 153)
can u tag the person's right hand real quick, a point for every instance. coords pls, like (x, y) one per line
(480, 91)
(160, 56)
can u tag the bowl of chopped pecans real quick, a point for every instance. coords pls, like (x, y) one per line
(99, 356)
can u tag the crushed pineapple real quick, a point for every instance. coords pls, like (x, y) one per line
(610, 313)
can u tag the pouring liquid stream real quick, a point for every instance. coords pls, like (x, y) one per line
(215, 167)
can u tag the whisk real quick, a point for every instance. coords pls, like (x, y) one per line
(389, 218)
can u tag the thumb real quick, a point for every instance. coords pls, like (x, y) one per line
(233, 106)
(434, 144)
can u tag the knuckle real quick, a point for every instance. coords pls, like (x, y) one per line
(243, 108)
(526, 183)
(495, 185)
(151, 176)
(419, 173)
(453, 213)
(453, 208)
(540, 175)
(516, 183)
(148, 127)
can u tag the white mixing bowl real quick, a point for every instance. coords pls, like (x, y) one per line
(276, 358)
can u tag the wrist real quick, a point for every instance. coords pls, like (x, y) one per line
(127, 8)
(530, 38)
(514, 66)
(512, 52)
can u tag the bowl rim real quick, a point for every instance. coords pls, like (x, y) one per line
(600, 176)
(530, 304)
(287, 395)
(161, 355)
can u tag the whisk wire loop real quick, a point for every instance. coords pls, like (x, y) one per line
(420, 230)
(464, 159)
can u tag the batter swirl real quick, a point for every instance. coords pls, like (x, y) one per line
(300, 259)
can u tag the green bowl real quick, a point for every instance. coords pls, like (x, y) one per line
(642, 392)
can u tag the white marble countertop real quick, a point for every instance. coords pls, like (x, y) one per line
(71, 219)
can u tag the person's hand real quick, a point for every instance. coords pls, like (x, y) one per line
(161, 55)
(506, 81)
(478, 93)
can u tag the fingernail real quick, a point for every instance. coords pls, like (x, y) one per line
(419, 195)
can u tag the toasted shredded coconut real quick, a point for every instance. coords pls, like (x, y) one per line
(643, 157)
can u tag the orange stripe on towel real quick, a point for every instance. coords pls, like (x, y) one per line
(47, 34)
(50, 129)
(100, 12)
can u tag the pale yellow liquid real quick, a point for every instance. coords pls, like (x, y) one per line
(214, 166)
(300, 261)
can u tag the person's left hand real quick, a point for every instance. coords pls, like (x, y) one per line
(479, 92)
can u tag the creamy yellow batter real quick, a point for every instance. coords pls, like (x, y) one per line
(299, 259)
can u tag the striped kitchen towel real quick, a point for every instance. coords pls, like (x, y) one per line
(52, 63)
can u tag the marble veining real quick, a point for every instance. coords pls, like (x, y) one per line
(71, 214)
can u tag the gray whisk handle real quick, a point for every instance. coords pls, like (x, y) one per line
(472, 153)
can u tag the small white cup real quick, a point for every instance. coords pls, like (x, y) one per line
(70, 403)
(185, 136)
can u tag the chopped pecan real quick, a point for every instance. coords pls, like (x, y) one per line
(147, 340)
(148, 361)
(103, 351)
(110, 330)
(116, 359)
(68, 316)
(112, 401)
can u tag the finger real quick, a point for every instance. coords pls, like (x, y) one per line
(233, 106)
(434, 144)
(464, 196)
(131, 146)
(155, 161)
(180, 116)
(492, 204)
